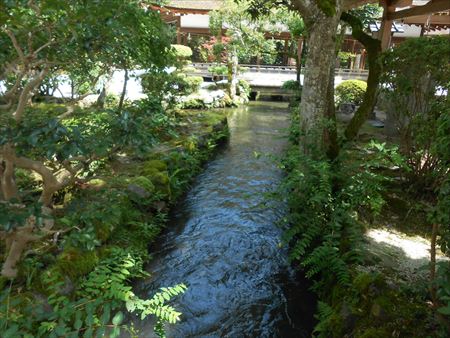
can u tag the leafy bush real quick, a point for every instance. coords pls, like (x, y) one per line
(416, 85)
(218, 70)
(345, 59)
(191, 84)
(182, 52)
(193, 103)
(243, 88)
(96, 309)
(325, 200)
(350, 91)
(291, 85)
(170, 84)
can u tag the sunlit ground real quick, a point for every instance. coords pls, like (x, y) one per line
(414, 247)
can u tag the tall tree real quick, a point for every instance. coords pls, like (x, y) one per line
(358, 20)
(321, 19)
(43, 38)
(297, 29)
(373, 47)
(245, 37)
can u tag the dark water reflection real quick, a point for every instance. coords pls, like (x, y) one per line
(223, 242)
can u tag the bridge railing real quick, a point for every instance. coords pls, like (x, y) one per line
(342, 72)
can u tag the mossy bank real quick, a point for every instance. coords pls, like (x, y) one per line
(81, 279)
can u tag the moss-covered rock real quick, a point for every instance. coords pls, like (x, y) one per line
(76, 263)
(373, 333)
(154, 164)
(143, 182)
(364, 281)
(156, 172)
(97, 184)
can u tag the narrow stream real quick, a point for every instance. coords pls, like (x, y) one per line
(223, 242)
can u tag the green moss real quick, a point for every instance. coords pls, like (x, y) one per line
(156, 172)
(338, 294)
(143, 182)
(363, 281)
(97, 183)
(327, 6)
(157, 164)
(373, 333)
(76, 263)
(190, 144)
(103, 231)
(3, 282)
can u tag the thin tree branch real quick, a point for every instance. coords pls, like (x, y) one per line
(17, 46)
(25, 95)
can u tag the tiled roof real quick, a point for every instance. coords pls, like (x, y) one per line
(199, 4)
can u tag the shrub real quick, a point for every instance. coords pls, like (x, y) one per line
(291, 85)
(417, 83)
(194, 103)
(191, 84)
(165, 84)
(243, 88)
(345, 59)
(218, 70)
(182, 52)
(350, 91)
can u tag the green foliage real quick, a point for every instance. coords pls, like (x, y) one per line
(182, 52)
(296, 25)
(291, 85)
(350, 91)
(170, 85)
(245, 36)
(191, 84)
(328, 7)
(75, 263)
(218, 70)
(416, 84)
(323, 228)
(194, 103)
(443, 287)
(243, 88)
(96, 307)
(344, 58)
(324, 316)
(326, 202)
(367, 13)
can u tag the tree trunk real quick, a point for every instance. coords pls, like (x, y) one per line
(330, 131)
(102, 97)
(299, 60)
(72, 89)
(434, 233)
(232, 74)
(314, 106)
(124, 90)
(373, 47)
(7, 180)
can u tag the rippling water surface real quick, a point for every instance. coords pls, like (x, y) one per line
(223, 242)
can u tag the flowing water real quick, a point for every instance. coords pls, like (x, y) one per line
(223, 242)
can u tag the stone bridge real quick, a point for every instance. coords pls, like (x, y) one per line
(267, 80)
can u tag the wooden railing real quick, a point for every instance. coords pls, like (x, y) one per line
(345, 73)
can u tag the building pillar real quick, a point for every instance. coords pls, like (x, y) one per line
(386, 25)
(285, 52)
(179, 30)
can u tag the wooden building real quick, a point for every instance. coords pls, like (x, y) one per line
(401, 19)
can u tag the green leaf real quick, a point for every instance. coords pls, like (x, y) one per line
(115, 332)
(444, 310)
(118, 318)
